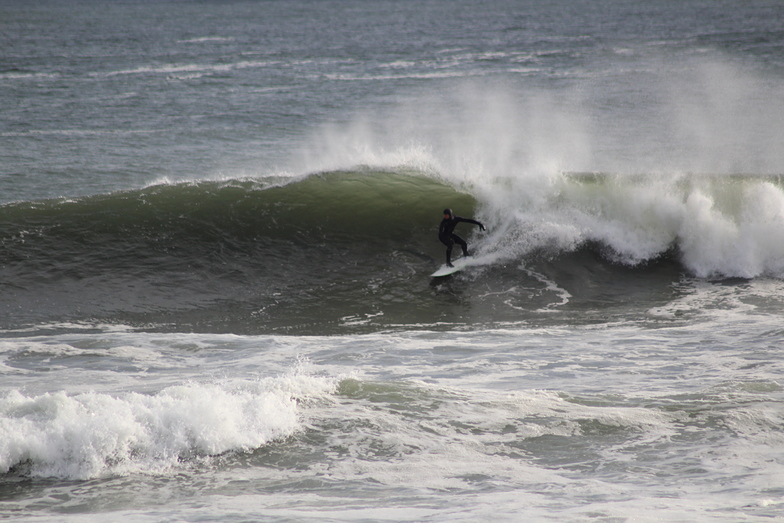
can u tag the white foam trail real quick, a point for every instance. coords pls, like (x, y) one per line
(187, 68)
(207, 39)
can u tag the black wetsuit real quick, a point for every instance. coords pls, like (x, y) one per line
(449, 238)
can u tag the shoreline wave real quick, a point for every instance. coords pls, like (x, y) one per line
(89, 435)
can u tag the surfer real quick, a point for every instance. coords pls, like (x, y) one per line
(449, 238)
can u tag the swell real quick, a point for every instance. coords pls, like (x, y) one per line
(192, 223)
(212, 250)
(352, 251)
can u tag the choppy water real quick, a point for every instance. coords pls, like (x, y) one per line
(217, 226)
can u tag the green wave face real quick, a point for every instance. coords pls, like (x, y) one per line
(336, 204)
(273, 254)
(353, 250)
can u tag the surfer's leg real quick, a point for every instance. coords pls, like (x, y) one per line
(449, 244)
(462, 243)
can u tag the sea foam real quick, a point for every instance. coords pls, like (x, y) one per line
(97, 434)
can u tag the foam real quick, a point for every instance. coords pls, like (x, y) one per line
(96, 434)
(205, 39)
(187, 68)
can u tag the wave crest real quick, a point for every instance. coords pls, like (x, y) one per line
(93, 434)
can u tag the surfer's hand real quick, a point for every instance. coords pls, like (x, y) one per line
(482, 227)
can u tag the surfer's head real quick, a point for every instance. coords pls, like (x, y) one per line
(447, 213)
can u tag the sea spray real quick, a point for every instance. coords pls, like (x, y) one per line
(688, 116)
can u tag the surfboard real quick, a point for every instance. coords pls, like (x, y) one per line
(459, 264)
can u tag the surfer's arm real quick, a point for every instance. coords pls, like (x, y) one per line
(469, 220)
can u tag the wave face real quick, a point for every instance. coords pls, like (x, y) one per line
(353, 250)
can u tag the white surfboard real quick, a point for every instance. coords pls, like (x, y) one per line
(459, 264)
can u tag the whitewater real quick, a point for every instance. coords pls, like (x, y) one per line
(218, 222)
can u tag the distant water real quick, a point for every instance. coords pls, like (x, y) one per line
(218, 222)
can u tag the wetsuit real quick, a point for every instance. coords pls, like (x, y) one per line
(449, 238)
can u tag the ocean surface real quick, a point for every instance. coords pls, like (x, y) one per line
(218, 223)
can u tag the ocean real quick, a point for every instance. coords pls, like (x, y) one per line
(218, 222)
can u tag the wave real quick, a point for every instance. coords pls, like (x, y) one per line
(714, 225)
(201, 217)
(96, 434)
(353, 249)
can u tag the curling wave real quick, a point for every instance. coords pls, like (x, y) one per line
(353, 249)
